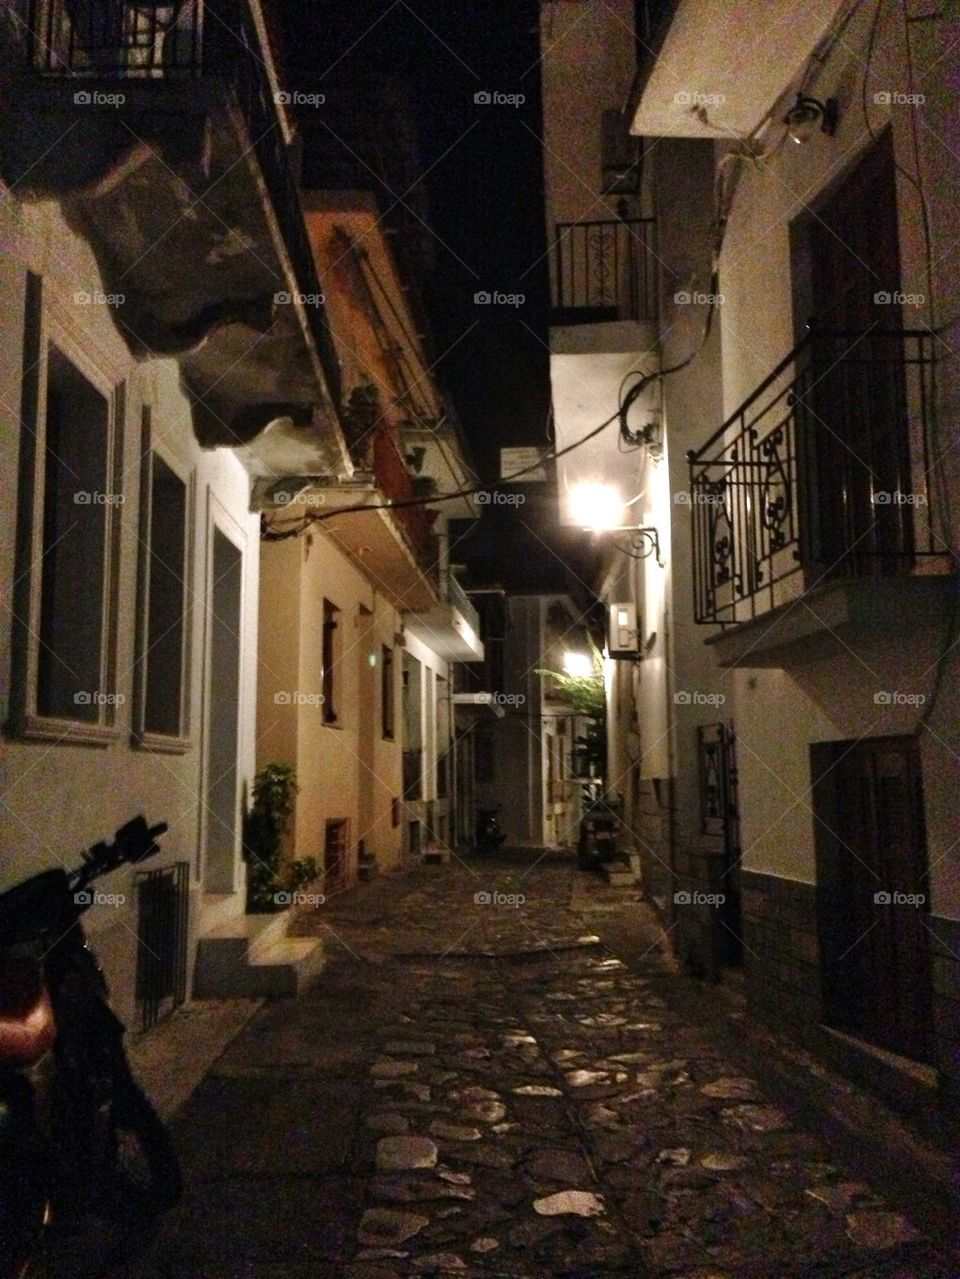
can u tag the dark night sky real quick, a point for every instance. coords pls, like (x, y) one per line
(482, 178)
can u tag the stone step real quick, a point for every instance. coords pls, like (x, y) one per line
(252, 957)
(619, 874)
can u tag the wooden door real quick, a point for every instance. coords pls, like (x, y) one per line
(873, 895)
(858, 446)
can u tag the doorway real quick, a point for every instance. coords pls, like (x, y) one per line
(221, 797)
(856, 427)
(720, 827)
(873, 893)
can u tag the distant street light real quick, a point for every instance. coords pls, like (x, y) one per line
(596, 506)
(577, 665)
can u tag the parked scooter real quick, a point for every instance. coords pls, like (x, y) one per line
(489, 835)
(86, 1164)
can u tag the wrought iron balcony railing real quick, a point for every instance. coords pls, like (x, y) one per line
(824, 472)
(604, 271)
(152, 42)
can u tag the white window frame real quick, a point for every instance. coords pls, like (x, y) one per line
(42, 330)
(141, 738)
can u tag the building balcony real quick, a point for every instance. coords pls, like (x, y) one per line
(698, 76)
(394, 545)
(604, 272)
(164, 132)
(821, 488)
(451, 627)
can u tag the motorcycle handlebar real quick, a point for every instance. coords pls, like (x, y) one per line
(133, 843)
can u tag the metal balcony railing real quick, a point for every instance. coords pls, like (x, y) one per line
(116, 38)
(182, 40)
(604, 271)
(824, 472)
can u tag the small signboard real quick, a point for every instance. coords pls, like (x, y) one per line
(529, 461)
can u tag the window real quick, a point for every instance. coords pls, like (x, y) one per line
(64, 682)
(387, 696)
(162, 691)
(331, 645)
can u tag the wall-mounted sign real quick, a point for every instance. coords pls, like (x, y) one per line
(528, 460)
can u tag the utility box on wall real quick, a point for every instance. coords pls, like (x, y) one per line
(623, 636)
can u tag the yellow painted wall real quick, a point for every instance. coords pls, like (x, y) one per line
(342, 772)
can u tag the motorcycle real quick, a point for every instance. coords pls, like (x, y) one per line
(86, 1164)
(489, 836)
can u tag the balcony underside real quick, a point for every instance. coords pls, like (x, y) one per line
(706, 76)
(445, 629)
(837, 619)
(167, 191)
(479, 705)
(375, 540)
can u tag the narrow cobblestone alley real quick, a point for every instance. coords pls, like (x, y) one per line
(480, 1086)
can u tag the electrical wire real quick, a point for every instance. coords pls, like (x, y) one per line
(645, 379)
(268, 532)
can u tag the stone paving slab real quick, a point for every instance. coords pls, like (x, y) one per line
(484, 1090)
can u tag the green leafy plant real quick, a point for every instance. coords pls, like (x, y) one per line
(266, 823)
(303, 870)
(586, 697)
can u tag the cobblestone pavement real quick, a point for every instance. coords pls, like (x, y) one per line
(480, 1087)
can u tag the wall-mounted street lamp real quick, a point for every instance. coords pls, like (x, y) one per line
(577, 665)
(599, 508)
(807, 114)
(595, 506)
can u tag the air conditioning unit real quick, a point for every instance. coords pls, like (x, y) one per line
(623, 634)
(619, 156)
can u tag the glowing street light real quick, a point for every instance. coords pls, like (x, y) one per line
(596, 506)
(577, 665)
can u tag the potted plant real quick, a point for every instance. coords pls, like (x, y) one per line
(266, 823)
